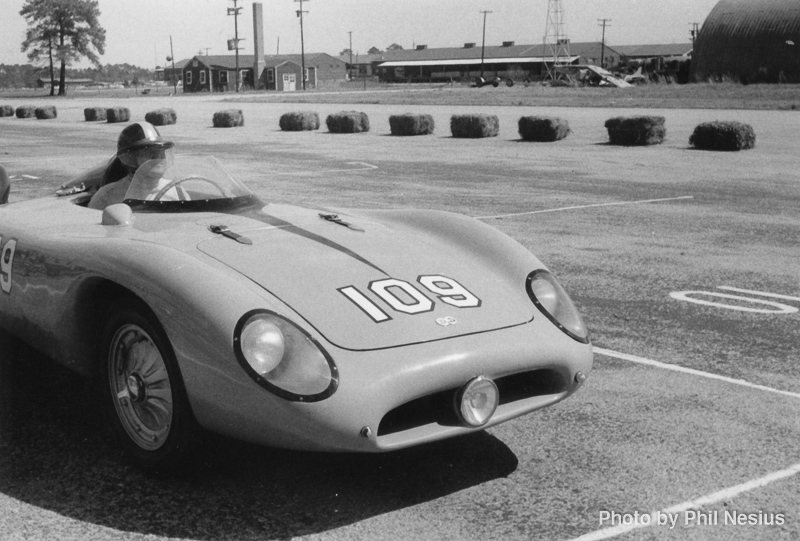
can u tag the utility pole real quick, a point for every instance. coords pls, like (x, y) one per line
(302, 43)
(171, 58)
(694, 32)
(483, 43)
(351, 54)
(235, 11)
(603, 23)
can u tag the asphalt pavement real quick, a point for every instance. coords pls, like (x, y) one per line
(691, 414)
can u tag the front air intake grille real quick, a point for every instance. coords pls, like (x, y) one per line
(529, 384)
(439, 408)
(435, 408)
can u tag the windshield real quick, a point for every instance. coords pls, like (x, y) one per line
(193, 182)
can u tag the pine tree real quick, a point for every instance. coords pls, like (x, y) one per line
(62, 31)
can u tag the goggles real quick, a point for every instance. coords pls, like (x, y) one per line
(150, 153)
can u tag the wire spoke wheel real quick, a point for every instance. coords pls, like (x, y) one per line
(140, 387)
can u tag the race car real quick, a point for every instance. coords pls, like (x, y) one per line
(300, 328)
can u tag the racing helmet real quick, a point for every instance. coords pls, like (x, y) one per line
(136, 137)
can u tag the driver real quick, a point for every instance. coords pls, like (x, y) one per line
(139, 146)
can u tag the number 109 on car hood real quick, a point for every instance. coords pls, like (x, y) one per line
(377, 286)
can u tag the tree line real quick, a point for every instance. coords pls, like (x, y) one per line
(25, 75)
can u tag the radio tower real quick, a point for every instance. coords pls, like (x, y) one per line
(556, 43)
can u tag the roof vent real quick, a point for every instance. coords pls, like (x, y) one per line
(421, 47)
(469, 45)
(508, 44)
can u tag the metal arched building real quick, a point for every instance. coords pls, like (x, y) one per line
(750, 40)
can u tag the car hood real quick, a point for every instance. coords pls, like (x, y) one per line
(355, 281)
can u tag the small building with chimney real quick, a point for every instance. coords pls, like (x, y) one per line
(217, 73)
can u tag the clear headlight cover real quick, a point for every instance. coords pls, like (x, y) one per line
(283, 358)
(477, 401)
(548, 295)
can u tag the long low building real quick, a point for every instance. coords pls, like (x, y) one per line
(518, 62)
(509, 60)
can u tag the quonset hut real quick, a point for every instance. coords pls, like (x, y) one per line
(751, 41)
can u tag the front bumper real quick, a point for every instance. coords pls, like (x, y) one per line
(400, 397)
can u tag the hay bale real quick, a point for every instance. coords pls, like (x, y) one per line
(299, 121)
(410, 124)
(26, 111)
(46, 113)
(6, 110)
(723, 136)
(229, 118)
(347, 122)
(118, 114)
(474, 126)
(92, 114)
(636, 130)
(161, 117)
(543, 129)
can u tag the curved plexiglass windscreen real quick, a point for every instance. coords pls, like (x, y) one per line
(184, 179)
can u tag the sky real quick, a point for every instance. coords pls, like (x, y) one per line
(138, 32)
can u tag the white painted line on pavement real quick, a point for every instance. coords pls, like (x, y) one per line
(361, 166)
(759, 293)
(716, 497)
(692, 371)
(777, 307)
(578, 207)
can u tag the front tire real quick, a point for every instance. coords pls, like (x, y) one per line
(143, 389)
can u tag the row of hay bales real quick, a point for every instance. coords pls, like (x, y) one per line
(158, 117)
(29, 111)
(625, 131)
(651, 130)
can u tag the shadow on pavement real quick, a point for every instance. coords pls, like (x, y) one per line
(57, 454)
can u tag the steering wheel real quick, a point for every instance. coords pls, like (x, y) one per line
(171, 184)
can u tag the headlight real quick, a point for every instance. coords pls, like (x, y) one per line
(283, 358)
(477, 401)
(548, 295)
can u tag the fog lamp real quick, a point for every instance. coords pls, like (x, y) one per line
(477, 401)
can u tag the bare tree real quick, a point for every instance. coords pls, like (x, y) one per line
(62, 31)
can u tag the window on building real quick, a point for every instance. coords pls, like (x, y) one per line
(305, 74)
(202, 77)
(188, 77)
(223, 77)
(270, 76)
